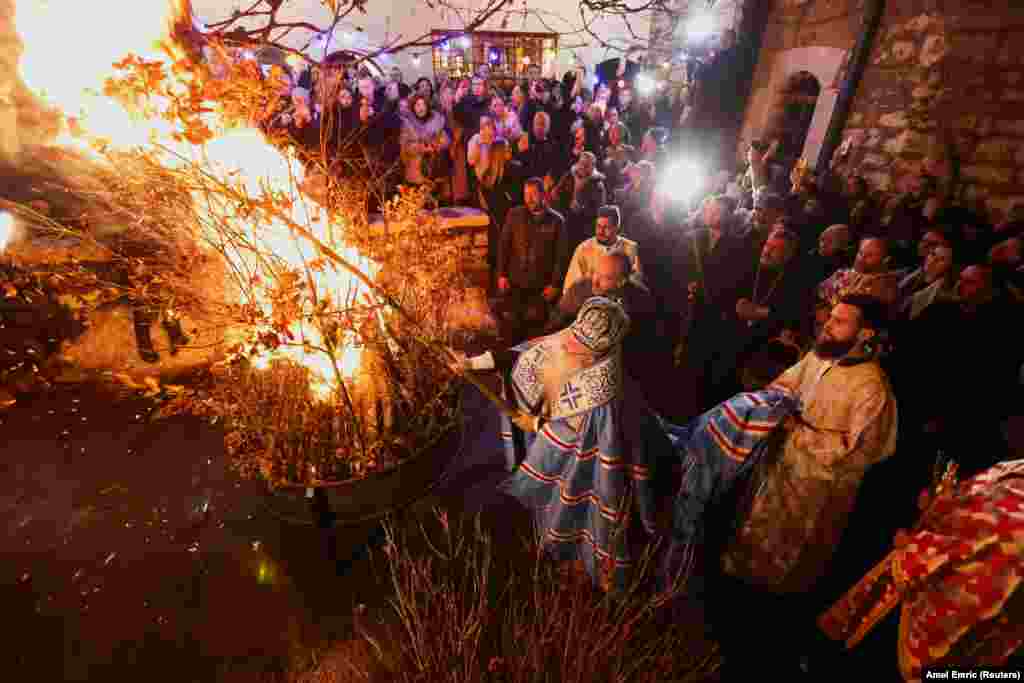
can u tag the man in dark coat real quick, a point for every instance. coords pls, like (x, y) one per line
(717, 264)
(777, 298)
(532, 259)
(539, 153)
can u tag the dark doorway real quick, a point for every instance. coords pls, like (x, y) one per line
(793, 112)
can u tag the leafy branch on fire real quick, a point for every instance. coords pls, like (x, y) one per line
(381, 391)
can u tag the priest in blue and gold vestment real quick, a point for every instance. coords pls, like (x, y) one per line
(583, 446)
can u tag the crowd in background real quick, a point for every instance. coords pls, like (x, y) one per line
(725, 289)
(759, 256)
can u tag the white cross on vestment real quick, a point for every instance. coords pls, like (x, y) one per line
(570, 395)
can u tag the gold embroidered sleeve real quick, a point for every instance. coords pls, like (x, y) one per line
(868, 435)
(790, 379)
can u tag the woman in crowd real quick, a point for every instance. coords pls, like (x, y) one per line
(506, 121)
(478, 152)
(424, 141)
(499, 188)
(446, 100)
(425, 87)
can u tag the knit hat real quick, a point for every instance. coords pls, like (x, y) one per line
(601, 324)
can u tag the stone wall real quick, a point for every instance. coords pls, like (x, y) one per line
(944, 88)
(944, 83)
(815, 36)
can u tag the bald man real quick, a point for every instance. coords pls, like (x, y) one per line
(834, 241)
(871, 274)
(611, 278)
(832, 253)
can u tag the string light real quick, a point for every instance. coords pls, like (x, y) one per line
(415, 60)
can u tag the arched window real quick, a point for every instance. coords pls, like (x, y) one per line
(790, 119)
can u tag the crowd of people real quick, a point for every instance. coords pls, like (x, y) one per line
(888, 318)
(475, 140)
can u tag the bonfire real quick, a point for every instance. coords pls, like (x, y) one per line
(321, 336)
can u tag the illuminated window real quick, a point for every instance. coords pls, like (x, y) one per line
(509, 55)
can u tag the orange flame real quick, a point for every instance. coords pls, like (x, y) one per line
(73, 82)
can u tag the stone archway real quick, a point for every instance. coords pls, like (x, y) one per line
(824, 64)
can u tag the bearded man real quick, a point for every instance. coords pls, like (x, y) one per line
(774, 299)
(606, 240)
(870, 274)
(532, 256)
(847, 423)
(582, 447)
(579, 195)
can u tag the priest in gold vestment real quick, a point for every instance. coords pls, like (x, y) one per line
(847, 422)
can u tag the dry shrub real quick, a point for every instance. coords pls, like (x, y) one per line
(470, 612)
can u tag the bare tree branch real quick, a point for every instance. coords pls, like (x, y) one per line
(272, 32)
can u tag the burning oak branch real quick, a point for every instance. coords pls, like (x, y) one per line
(325, 328)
